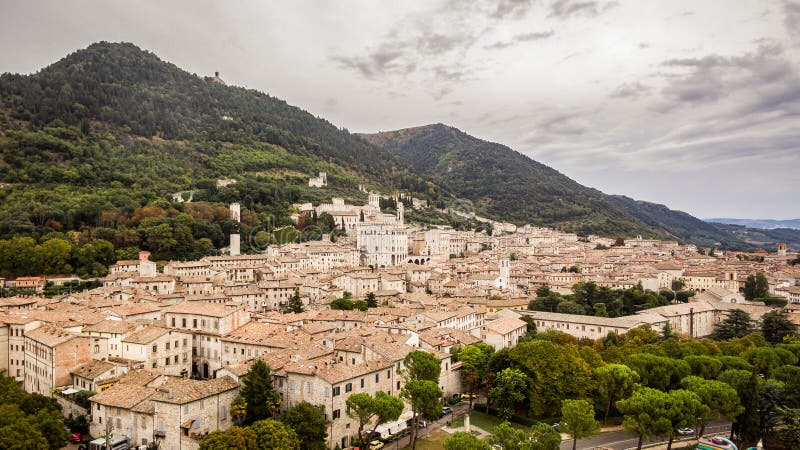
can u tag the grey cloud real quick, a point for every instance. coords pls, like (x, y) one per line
(631, 91)
(569, 123)
(527, 37)
(377, 63)
(713, 77)
(436, 44)
(565, 9)
(792, 20)
(448, 73)
(512, 8)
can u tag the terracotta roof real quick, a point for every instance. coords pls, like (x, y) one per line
(110, 326)
(505, 325)
(50, 336)
(92, 369)
(202, 308)
(182, 390)
(123, 395)
(146, 335)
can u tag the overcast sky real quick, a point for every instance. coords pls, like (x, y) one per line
(693, 104)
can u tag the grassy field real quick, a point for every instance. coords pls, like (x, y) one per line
(485, 422)
(433, 441)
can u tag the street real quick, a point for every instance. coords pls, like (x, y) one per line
(621, 440)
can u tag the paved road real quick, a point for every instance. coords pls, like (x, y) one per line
(621, 440)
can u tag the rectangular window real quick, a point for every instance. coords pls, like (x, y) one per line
(327, 391)
(336, 391)
(377, 377)
(223, 414)
(155, 348)
(336, 414)
(348, 387)
(362, 383)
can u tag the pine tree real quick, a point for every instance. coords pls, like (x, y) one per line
(737, 324)
(371, 301)
(296, 303)
(259, 393)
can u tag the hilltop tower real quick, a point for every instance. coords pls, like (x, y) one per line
(375, 200)
(505, 273)
(400, 212)
(236, 212)
(781, 249)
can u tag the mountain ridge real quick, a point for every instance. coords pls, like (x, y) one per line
(439, 150)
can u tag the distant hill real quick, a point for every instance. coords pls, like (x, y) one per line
(765, 224)
(766, 239)
(511, 186)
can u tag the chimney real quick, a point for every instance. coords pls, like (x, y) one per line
(216, 74)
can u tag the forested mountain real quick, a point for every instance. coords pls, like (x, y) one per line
(95, 142)
(508, 185)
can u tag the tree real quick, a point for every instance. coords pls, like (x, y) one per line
(790, 432)
(738, 324)
(421, 365)
(296, 303)
(769, 399)
(364, 408)
(756, 286)
(22, 436)
(259, 393)
(425, 398)
(509, 389)
(234, 438)
(554, 372)
(683, 409)
(704, 366)
(465, 441)
(507, 437)
(748, 385)
(678, 284)
(50, 424)
(308, 421)
(474, 364)
(645, 413)
(543, 437)
(272, 434)
(659, 372)
(775, 327)
(371, 302)
(577, 420)
(721, 399)
(614, 381)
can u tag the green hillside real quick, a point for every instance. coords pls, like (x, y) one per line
(508, 185)
(96, 142)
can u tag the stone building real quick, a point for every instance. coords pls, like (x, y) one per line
(160, 348)
(207, 322)
(50, 355)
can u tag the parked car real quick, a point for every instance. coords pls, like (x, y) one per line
(375, 445)
(685, 431)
